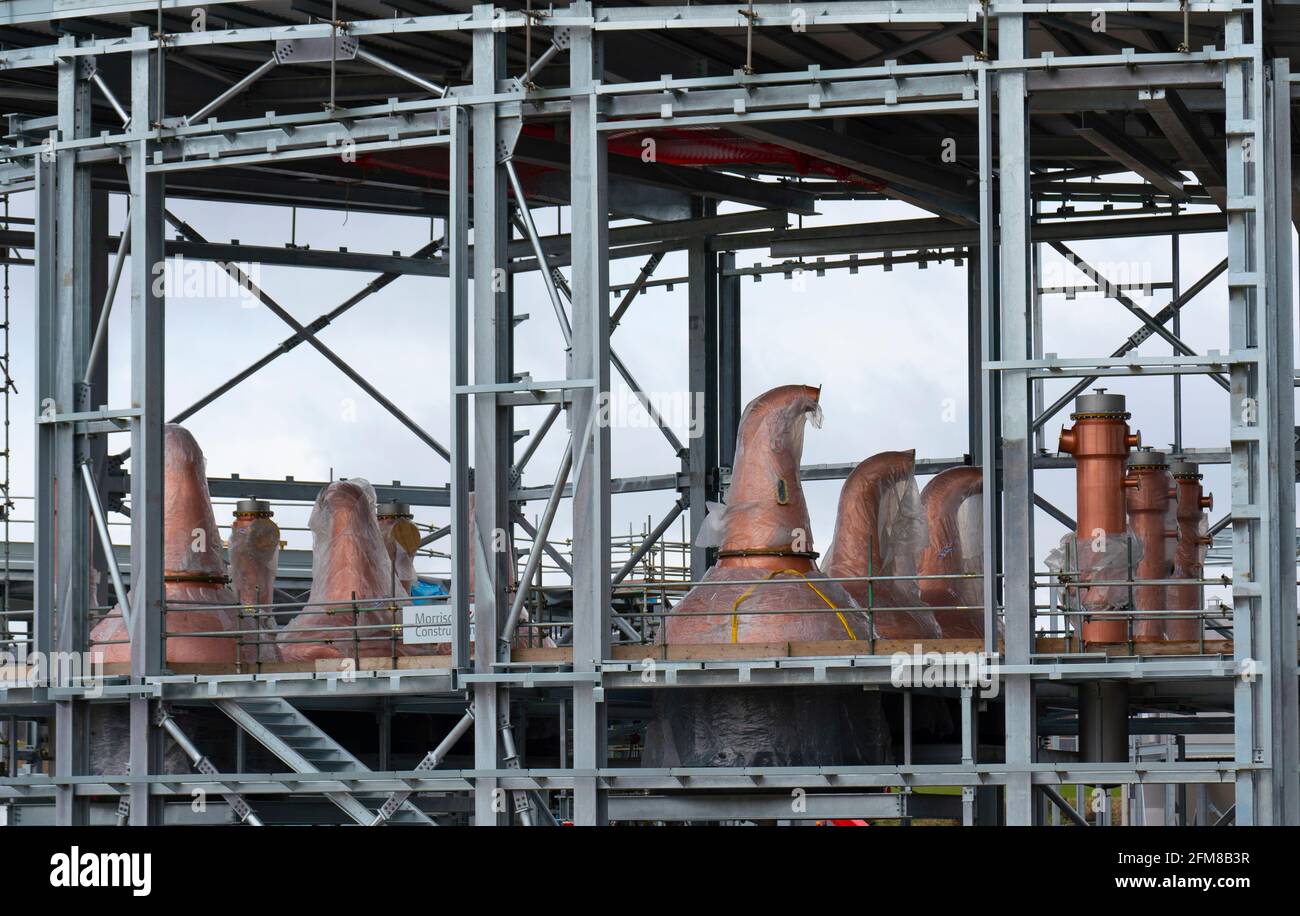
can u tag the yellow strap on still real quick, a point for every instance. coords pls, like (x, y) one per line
(735, 617)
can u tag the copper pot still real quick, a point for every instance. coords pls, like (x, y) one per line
(1100, 441)
(765, 578)
(953, 505)
(1189, 553)
(194, 570)
(766, 586)
(350, 612)
(1149, 495)
(879, 531)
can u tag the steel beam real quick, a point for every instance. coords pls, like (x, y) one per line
(1162, 317)
(1179, 126)
(1104, 135)
(926, 186)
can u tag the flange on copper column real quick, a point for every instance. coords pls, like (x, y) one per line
(1149, 491)
(1099, 441)
(401, 539)
(1189, 554)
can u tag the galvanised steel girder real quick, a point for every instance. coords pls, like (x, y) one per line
(687, 779)
(591, 439)
(1262, 422)
(1142, 668)
(147, 385)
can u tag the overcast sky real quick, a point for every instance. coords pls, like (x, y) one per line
(888, 349)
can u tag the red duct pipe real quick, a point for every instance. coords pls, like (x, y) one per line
(766, 535)
(194, 571)
(877, 529)
(945, 554)
(711, 147)
(688, 148)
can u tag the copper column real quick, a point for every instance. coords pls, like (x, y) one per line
(1099, 441)
(402, 538)
(1189, 554)
(254, 552)
(1149, 492)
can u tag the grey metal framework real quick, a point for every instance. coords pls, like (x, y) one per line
(104, 88)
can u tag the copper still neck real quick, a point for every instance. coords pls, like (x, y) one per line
(767, 525)
(857, 549)
(941, 501)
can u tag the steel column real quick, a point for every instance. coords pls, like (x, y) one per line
(1262, 420)
(492, 433)
(730, 402)
(591, 444)
(147, 379)
(75, 210)
(702, 386)
(1016, 446)
(458, 333)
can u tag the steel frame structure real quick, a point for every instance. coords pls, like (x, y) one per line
(992, 223)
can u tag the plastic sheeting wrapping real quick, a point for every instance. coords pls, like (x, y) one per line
(1110, 557)
(953, 505)
(254, 560)
(880, 531)
(402, 540)
(193, 566)
(352, 584)
(767, 726)
(766, 588)
(111, 741)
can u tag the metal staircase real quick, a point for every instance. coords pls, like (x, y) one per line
(284, 731)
